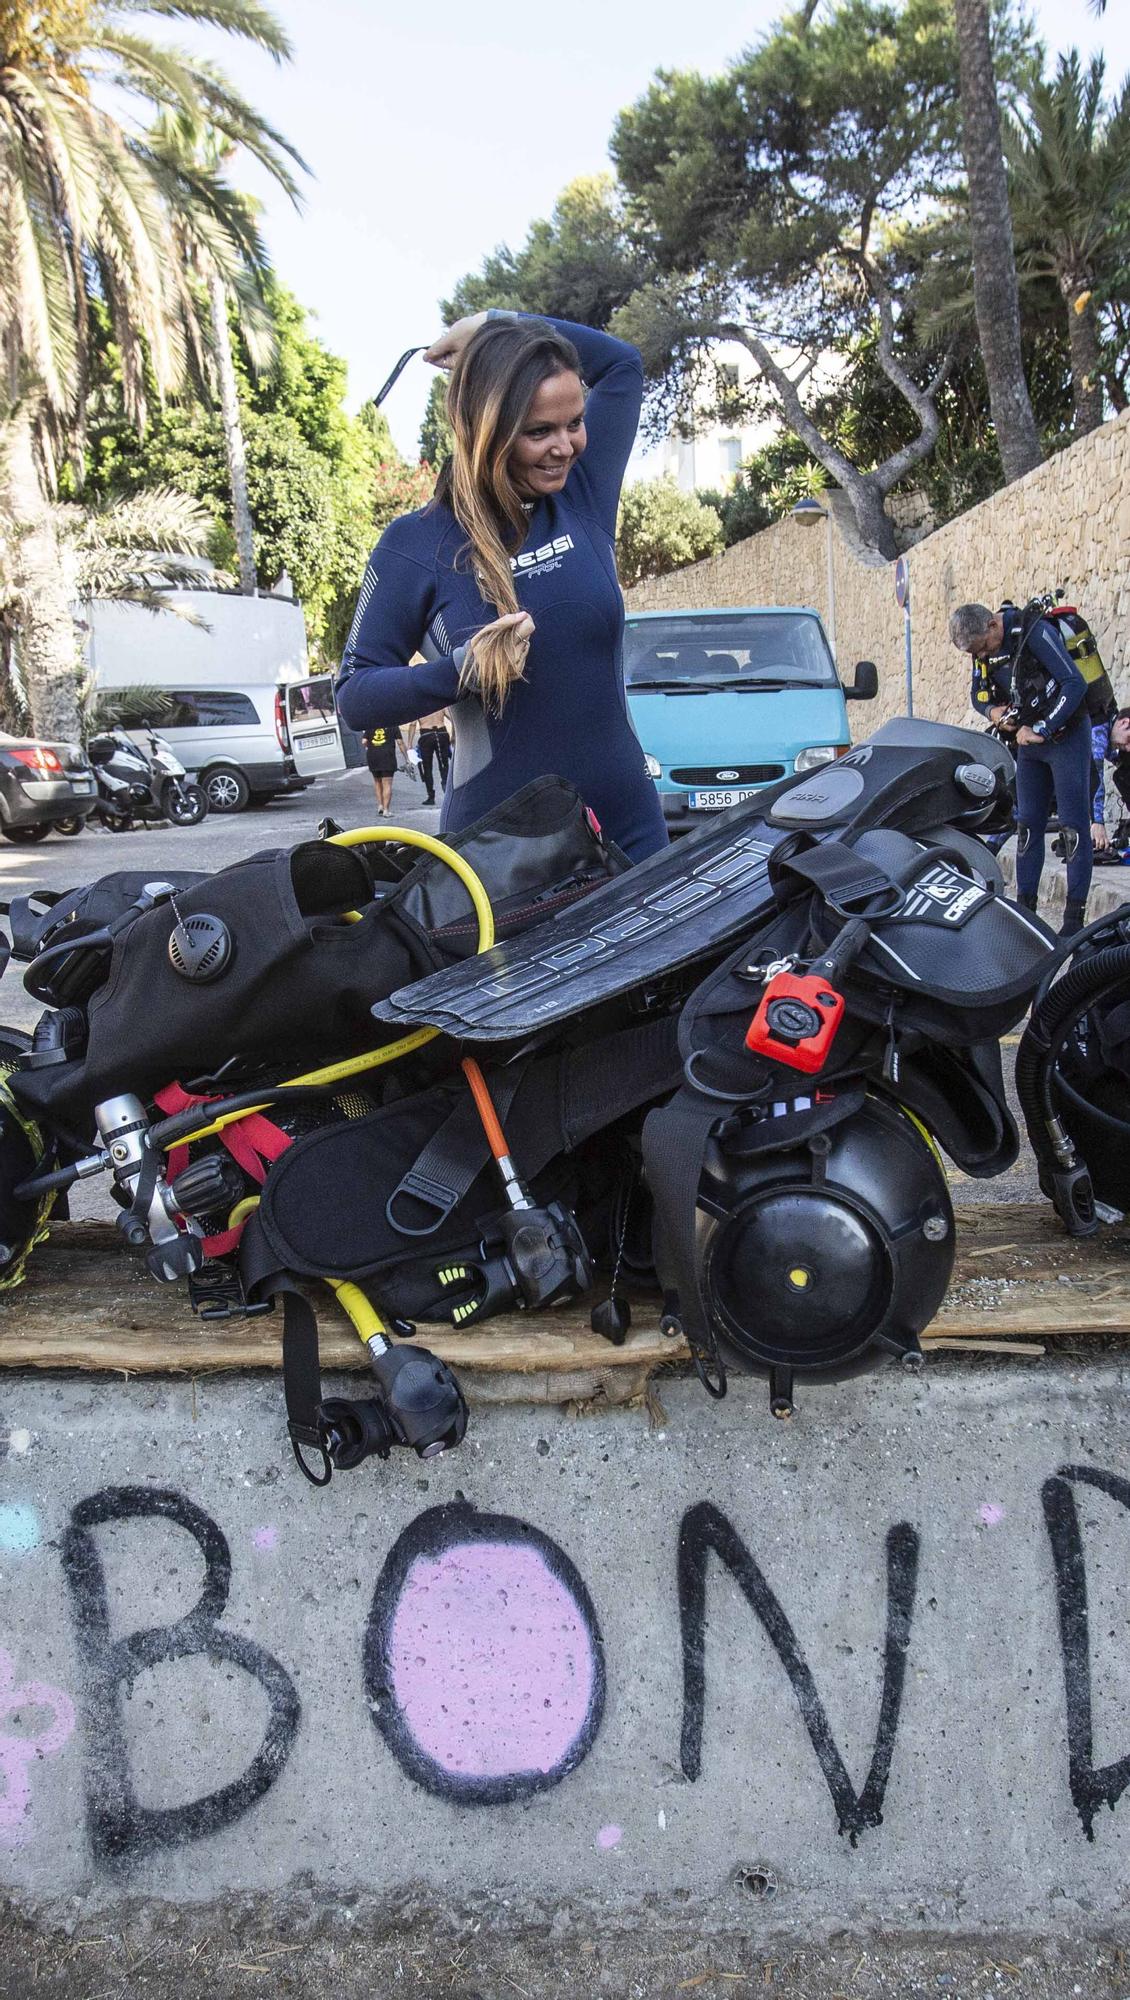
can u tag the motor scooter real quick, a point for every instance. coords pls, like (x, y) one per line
(136, 788)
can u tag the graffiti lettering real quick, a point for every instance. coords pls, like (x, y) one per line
(1091, 1785)
(484, 1664)
(120, 1826)
(705, 1528)
(19, 1752)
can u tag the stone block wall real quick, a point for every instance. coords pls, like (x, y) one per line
(1067, 523)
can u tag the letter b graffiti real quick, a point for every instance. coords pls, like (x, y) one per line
(120, 1827)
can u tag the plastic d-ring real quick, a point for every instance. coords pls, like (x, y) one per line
(429, 1194)
(708, 1089)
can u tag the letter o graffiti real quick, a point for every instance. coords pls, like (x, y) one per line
(484, 1663)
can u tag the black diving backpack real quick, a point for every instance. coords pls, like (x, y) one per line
(261, 962)
(1081, 644)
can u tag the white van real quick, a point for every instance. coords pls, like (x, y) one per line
(248, 720)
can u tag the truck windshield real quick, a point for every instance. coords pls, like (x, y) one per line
(779, 649)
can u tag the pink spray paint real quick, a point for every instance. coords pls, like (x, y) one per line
(491, 1660)
(18, 1752)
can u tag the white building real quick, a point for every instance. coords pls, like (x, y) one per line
(709, 460)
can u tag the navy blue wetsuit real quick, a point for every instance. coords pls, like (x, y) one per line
(569, 714)
(1059, 766)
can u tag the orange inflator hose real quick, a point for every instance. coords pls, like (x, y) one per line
(496, 1138)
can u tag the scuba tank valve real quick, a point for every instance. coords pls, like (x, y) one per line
(149, 1210)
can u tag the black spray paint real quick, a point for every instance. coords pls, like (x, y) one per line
(705, 1529)
(1091, 1787)
(121, 1829)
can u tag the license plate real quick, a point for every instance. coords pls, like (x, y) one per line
(82, 784)
(714, 801)
(317, 741)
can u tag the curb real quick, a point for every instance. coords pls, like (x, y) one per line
(1110, 887)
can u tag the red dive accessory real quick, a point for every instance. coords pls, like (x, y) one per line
(797, 1020)
(800, 1012)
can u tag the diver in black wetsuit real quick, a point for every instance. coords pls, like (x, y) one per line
(1045, 711)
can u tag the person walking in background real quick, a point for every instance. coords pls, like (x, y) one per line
(380, 756)
(434, 745)
(507, 582)
(1110, 744)
(1046, 716)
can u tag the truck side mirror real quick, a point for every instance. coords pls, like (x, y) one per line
(866, 683)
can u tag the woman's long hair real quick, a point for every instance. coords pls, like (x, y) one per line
(492, 385)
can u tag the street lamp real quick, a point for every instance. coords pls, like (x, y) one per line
(808, 511)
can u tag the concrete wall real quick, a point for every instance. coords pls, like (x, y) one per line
(1066, 523)
(874, 1661)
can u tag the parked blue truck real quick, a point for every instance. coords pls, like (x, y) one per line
(724, 701)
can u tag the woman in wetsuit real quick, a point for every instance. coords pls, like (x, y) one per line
(507, 582)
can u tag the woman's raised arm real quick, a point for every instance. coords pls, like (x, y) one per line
(614, 374)
(375, 687)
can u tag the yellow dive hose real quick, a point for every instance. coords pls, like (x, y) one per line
(339, 1072)
(351, 1298)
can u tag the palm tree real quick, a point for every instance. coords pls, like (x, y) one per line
(1068, 155)
(86, 199)
(995, 290)
(135, 551)
(210, 221)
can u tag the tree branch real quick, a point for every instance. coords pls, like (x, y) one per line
(830, 457)
(922, 401)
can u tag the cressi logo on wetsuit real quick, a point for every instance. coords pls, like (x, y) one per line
(547, 557)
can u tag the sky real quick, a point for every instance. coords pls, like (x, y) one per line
(436, 132)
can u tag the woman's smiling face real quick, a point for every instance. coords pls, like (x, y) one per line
(552, 437)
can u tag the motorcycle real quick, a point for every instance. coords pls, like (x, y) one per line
(136, 789)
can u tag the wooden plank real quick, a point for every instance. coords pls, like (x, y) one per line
(87, 1304)
(1031, 1223)
(1041, 1312)
(1025, 1350)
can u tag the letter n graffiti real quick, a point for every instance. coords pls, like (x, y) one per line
(120, 1827)
(1091, 1785)
(705, 1528)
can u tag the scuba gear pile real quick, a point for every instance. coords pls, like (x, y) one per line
(748, 1045)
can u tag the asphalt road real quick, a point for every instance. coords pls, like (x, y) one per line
(58, 863)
